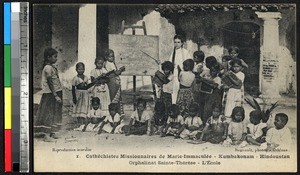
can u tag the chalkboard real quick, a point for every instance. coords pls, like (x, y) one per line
(138, 53)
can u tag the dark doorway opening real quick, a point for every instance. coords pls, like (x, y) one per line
(245, 35)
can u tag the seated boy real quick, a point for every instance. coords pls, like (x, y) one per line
(280, 135)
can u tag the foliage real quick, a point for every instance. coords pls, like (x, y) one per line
(266, 112)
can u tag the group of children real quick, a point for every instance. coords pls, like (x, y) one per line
(207, 109)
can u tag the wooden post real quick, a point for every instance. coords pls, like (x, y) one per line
(134, 92)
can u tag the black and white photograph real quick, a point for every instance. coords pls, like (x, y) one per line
(164, 87)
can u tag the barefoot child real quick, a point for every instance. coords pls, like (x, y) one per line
(96, 115)
(159, 118)
(80, 95)
(256, 129)
(234, 95)
(192, 123)
(215, 130)
(237, 128)
(175, 122)
(114, 83)
(140, 120)
(112, 121)
(279, 136)
(50, 109)
(100, 89)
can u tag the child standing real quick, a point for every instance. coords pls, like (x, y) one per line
(234, 53)
(279, 136)
(175, 122)
(215, 130)
(140, 120)
(237, 128)
(225, 63)
(167, 89)
(80, 95)
(100, 89)
(114, 83)
(214, 99)
(256, 128)
(192, 123)
(186, 78)
(50, 109)
(198, 58)
(235, 95)
(159, 118)
(111, 123)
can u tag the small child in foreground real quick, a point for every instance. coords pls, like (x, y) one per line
(279, 136)
(192, 123)
(256, 129)
(111, 123)
(237, 128)
(140, 120)
(159, 118)
(215, 130)
(175, 122)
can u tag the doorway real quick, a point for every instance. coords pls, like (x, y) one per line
(245, 35)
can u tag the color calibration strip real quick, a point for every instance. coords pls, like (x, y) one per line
(16, 84)
(7, 89)
(24, 87)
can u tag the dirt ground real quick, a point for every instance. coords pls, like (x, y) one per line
(117, 144)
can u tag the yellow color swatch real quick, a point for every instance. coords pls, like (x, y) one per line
(8, 107)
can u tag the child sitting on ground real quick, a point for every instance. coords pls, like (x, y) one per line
(111, 123)
(192, 123)
(93, 125)
(215, 130)
(237, 130)
(159, 118)
(175, 122)
(279, 136)
(256, 129)
(96, 115)
(140, 120)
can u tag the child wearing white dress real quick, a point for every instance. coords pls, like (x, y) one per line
(237, 129)
(96, 116)
(279, 136)
(256, 129)
(112, 122)
(235, 94)
(100, 89)
(80, 95)
(114, 84)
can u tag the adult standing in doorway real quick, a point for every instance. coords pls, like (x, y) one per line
(178, 56)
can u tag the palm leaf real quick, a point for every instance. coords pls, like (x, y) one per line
(266, 116)
(250, 103)
(257, 105)
(275, 105)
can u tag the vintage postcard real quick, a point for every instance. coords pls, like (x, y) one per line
(164, 87)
